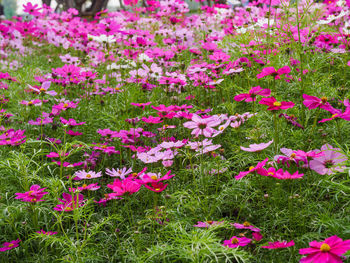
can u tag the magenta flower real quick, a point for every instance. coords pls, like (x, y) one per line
(69, 203)
(256, 147)
(141, 105)
(279, 244)
(152, 119)
(330, 162)
(9, 245)
(273, 72)
(154, 182)
(208, 224)
(284, 175)
(71, 122)
(273, 104)
(202, 126)
(312, 102)
(251, 95)
(127, 186)
(35, 194)
(246, 225)
(31, 9)
(251, 169)
(328, 251)
(237, 242)
(90, 187)
(47, 233)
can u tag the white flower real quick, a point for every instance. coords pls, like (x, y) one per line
(144, 57)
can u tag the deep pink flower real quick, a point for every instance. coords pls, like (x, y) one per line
(246, 225)
(237, 242)
(71, 122)
(35, 194)
(152, 119)
(31, 9)
(127, 186)
(328, 251)
(208, 224)
(9, 245)
(257, 147)
(273, 104)
(251, 169)
(69, 203)
(251, 95)
(312, 102)
(47, 233)
(90, 187)
(279, 244)
(273, 72)
(284, 175)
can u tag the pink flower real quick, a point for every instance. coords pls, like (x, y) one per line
(9, 245)
(31, 9)
(35, 194)
(273, 104)
(130, 2)
(141, 105)
(87, 175)
(330, 162)
(251, 169)
(328, 251)
(279, 244)
(237, 242)
(312, 102)
(68, 203)
(256, 147)
(44, 89)
(152, 119)
(154, 182)
(251, 95)
(208, 224)
(284, 175)
(121, 173)
(90, 187)
(202, 126)
(71, 122)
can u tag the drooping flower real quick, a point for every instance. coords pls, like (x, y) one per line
(208, 224)
(68, 203)
(251, 169)
(330, 162)
(312, 102)
(237, 242)
(246, 225)
(284, 175)
(251, 95)
(279, 244)
(35, 194)
(273, 104)
(9, 245)
(256, 147)
(328, 251)
(47, 233)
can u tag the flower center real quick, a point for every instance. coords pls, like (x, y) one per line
(209, 222)
(334, 115)
(325, 247)
(11, 245)
(88, 176)
(33, 200)
(293, 155)
(157, 189)
(251, 168)
(154, 177)
(234, 241)
(84, 185)
(270, 173)
(328, 163)
(30, 192)
(324, 100)
(277, 104)
(134, 174)
(42, 89)
(246, 224)
(202, 126)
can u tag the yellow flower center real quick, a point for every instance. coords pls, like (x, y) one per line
(42, 89)
(325, 247)
(157, 189)
(234, 241)
(209, 222)
(11, 245)
(324, 100)
(116, 88)
(334, 115)
(246, 224)
(270, 173)
(84, 185)
(134, 174)
(33, 200)
(154, 177)
(251, 168)
(65, 105)
(88, 176)
(30, 103)
(68, 208)
(30, 192)
(293, 155)
(277, 104)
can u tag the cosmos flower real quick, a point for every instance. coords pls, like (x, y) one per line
(208, 224)
(202, 126)
(257, 147)
(35, 194)
(328, 251)
(279, 244)
(273, 104)
(9, 245)
(251, 95)
(237, 242)
(87, 175)
(68, 203)
(251, 169)
(121, 173)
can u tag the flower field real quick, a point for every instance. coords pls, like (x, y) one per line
(159, 134)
